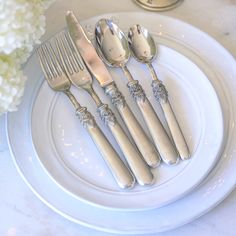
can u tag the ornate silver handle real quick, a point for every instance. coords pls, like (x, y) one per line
(121, 173)
(161, 95)
(163, 143)
(145, 146)
(139, 168)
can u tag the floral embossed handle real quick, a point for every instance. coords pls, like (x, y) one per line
(136, 163)
(121, 173)
(145, 146)
(161, 96)
(162, 141)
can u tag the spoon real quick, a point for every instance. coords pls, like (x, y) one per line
(144, 50)
(114, 49)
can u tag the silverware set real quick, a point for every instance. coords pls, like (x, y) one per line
(71, 59)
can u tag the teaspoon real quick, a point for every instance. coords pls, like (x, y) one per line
(144, 50)
(114, 49)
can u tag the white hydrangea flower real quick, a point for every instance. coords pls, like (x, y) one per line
(22, 23)
(12, 83)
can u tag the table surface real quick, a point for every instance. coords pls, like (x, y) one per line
(22, 213)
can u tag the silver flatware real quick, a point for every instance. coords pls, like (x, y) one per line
(144, 50)
(114, 49)
(81, 78)
(59, 82)
(101, 74)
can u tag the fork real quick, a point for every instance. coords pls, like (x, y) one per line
(59, 82)
(80, 77)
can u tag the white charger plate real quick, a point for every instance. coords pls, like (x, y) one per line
(208, 57)
(72, 160)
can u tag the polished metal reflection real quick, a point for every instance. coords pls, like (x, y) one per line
(59, 82)
(144, 50)
(80, 77)
(99, 71)
(114, 49)
(142, 44)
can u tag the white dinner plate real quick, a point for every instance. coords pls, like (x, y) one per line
(70, 157)
(219, 68)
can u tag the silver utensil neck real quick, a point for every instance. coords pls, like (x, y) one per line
(127, 73)
(153, 72)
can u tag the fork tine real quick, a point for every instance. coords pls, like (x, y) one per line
(69, 50)
(76, 54)
(54, 59)
(63, 57)
(73, 52)
(70, 61)
(44, 64)
(49, 58)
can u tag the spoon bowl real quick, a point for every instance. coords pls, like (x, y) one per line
(112, 43)
(142, 44)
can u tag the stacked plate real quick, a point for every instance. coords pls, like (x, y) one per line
(59, 162)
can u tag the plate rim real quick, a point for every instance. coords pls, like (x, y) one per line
(136, 206)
